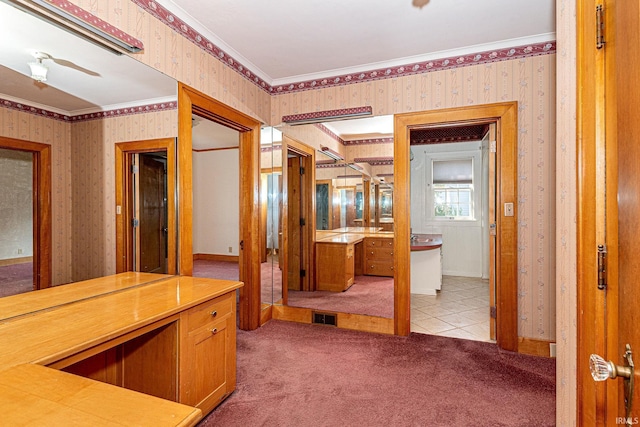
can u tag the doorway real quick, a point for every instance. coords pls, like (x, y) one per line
(37, 158)
(505, 117)
(298, 216)
(190, 102)
(145, 206)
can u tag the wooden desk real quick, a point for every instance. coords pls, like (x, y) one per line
(172, 337)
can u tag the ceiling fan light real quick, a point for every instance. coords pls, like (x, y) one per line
(38, 71)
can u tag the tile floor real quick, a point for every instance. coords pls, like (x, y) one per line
(460, 310)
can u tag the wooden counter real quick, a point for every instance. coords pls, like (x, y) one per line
(155, 334)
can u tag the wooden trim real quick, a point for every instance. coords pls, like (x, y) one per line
(191, 101)
(505, 115)
(217, 257)
(534, 347)
(42, 222)
(271, 170)
(266, 313)
(358, 322)
(124, 257)
(14, 261)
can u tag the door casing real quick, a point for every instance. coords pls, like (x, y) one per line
(42, 253)
(505, 116)
(192, 101)
(124, 237)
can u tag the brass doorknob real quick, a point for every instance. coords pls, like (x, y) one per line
(601, 370)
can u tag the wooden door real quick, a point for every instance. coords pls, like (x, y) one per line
(609, 206)
(152, 214)
(626, 91)
(294, 215)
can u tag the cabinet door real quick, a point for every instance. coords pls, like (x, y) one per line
(208, 363)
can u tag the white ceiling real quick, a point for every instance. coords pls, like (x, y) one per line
(281, 41)
(286, 41)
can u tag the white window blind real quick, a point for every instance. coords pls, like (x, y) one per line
(459, 171)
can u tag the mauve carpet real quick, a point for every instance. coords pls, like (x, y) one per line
(369, 295)
(292, 374)
(16, 279)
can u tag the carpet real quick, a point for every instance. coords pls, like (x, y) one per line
(16, 279)
(292, 374)
(369, 295)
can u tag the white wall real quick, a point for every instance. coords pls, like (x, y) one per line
(16, 204)
(463, 251)
(216, 202)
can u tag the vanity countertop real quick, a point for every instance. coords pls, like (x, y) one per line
(342, 238)
(426, 242)
(357, 230)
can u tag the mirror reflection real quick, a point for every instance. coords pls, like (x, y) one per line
(352, 256)
(82, 79)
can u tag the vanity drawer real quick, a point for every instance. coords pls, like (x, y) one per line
(378, 242)
(209, 311)
(381, 254)
(379, 268)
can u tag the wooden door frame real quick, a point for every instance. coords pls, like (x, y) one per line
(308, 155)
(505, 115)
(597, 215)
(192, 101)
(123, 150)
(42, 254)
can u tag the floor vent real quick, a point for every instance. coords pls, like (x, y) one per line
(325, 318)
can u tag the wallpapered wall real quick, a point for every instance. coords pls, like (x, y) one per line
(30, 127)
(93, 188)
(530, 81)
(175, 56)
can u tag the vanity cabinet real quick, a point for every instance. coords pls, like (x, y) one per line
(378, 256)
(172, 337)
(335, 266)
(208, 366)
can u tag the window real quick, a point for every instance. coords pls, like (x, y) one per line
(453, 188)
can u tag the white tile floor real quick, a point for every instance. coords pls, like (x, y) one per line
(460, 310)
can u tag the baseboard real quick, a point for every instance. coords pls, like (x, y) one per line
(534, 347)
(358, 322)
(266, 313)
(216, 257)
(13, 261)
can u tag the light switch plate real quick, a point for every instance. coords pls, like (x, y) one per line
(508, 209)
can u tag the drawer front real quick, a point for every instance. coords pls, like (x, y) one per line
(377, 242)
(379, 268)
(210, 311)
(381, 254)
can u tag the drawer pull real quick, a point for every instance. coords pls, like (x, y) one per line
(214, 331)
(214, 313)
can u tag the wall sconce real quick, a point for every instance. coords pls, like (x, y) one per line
(38, 69)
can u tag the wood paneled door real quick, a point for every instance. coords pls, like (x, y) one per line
(608, 206)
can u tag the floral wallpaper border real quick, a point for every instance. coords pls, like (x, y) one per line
(118, 112)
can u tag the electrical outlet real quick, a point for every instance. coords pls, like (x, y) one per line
(552, 349)
(19, 251)
(230, 249)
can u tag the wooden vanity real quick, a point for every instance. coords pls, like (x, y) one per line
(343, 253)
(168, 342)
